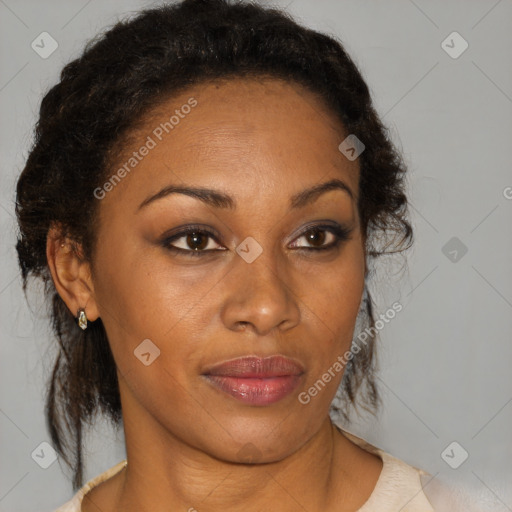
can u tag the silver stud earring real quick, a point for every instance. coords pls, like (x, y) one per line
(82, 319)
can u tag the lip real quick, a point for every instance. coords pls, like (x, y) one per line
(255, 380)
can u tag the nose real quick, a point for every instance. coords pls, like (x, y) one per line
(260, 297)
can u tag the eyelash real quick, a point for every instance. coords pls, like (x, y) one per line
(340, 233)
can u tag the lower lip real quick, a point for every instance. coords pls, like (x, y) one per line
(256, 391)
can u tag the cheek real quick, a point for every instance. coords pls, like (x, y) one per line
(142, 296)
(155, 321)
(333, 322)
(334, 295)
(331, 305)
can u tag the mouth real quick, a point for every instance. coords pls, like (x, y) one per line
(255, 380)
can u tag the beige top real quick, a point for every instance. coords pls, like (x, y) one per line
(399, 486)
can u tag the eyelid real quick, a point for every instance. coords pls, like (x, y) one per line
(318, 224)
(191, 228)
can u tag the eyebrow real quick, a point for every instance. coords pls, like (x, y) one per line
(218, 199)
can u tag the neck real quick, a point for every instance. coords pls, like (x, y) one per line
(181, 477)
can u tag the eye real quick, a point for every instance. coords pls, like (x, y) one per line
(322, 237)
(193, 241)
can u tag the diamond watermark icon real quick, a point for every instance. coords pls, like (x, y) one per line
(44, 455)
(248, 454)
(454, 45)
(147, 352)
(454, 455)
(351, 147)
(249, 249)
(44, 45)
(454, 249)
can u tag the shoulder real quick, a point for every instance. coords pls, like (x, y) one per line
(74, 504)
(404, 487)
(399, 487)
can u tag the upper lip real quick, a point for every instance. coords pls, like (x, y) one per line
(256, 367)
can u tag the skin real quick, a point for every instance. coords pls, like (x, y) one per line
(260, 142)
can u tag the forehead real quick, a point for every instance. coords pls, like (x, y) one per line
(253, 132)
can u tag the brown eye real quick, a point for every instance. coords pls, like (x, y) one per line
(193, 241)
(320, 238)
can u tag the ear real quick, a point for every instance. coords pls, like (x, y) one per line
(71, 274)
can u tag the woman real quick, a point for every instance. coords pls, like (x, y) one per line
(207, 190)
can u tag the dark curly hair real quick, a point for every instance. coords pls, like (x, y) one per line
(88, 116)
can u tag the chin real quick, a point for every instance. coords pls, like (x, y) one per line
(260, 440)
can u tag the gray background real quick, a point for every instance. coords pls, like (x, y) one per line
(445, 358)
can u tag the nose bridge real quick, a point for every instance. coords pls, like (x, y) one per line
(260, 294)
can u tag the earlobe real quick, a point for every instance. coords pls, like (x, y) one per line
(71, 275)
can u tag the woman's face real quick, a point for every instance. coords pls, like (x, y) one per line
(175, 306)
